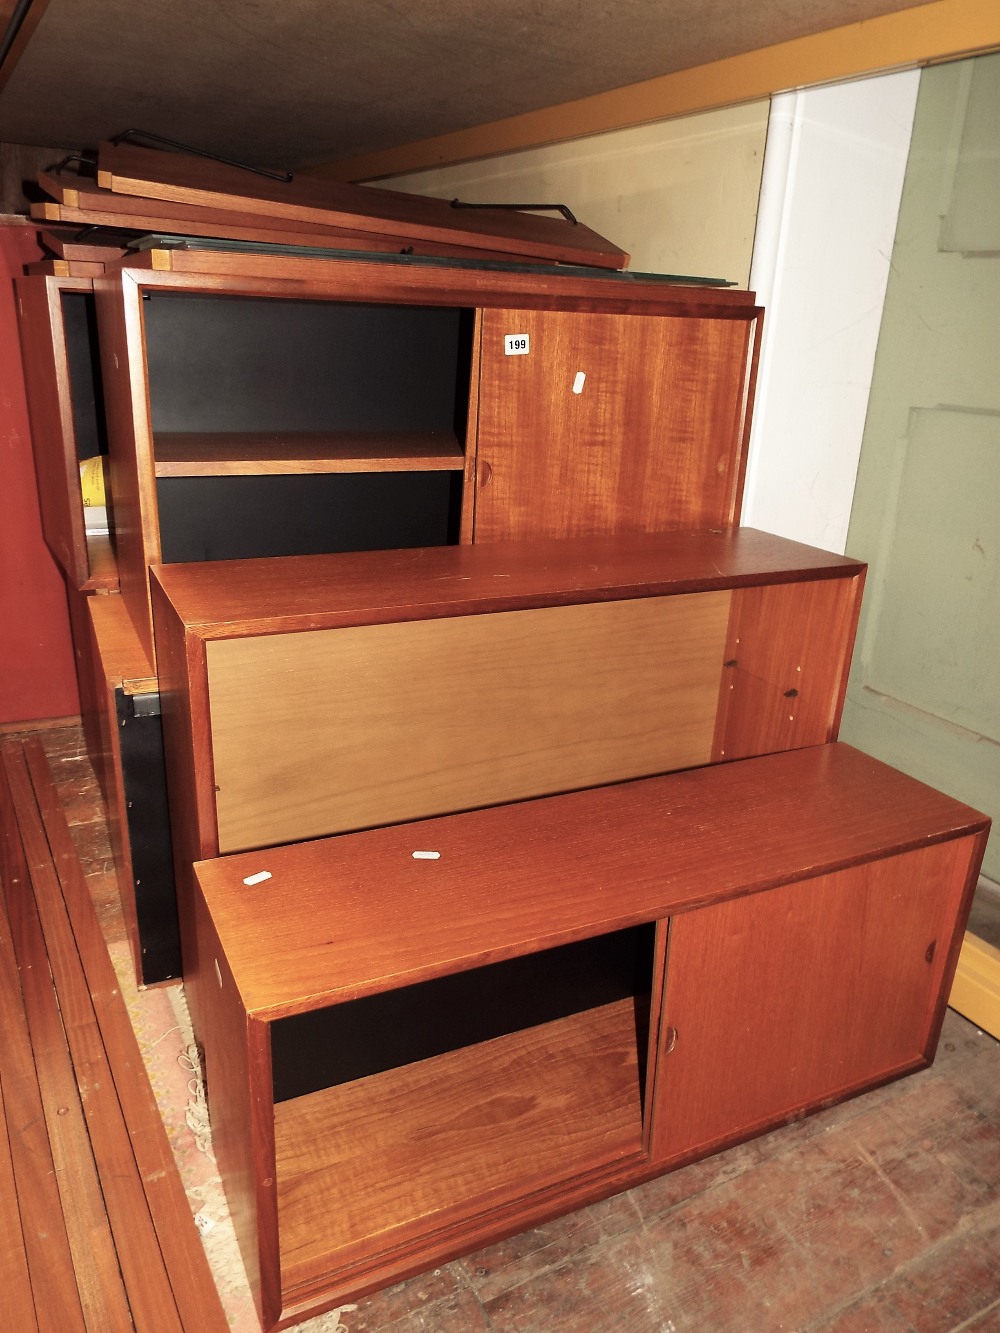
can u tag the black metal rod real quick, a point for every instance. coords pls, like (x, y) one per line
(19, 14)
(57, 167)
(522, 208)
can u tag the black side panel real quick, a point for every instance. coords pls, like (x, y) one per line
(144, 777)
(234, 518)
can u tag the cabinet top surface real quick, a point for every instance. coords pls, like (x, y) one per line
(351, 915)
(227, 599)
(418, 279)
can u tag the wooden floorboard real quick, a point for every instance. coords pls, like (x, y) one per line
(193, 1287)
(91, 1244)
(47, 1251)
(129, 1254)
(14, 1275)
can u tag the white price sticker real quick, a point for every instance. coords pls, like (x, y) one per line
(515, 344)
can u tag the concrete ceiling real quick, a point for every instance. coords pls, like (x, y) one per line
(292, 83)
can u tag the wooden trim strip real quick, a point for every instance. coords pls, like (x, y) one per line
(180, 178)
(194, 1291)
(975, 993)
(925, 34)
(41, 724)
(103, 208)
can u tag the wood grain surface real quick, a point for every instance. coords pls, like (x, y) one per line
(610, 423)
(352, 915)
(816, 990)
(418, 1147)
(226, 599)
(181, 178)
(315, 733)
(231, 454)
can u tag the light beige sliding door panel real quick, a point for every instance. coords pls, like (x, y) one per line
(314, 733)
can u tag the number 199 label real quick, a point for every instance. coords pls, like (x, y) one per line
(515, 344)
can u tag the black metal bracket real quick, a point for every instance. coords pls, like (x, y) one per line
(63, 163)
(285, 177)
(522, 208)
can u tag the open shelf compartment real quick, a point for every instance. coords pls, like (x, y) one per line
(407, 1158)
(300, 427)
(442, 1101)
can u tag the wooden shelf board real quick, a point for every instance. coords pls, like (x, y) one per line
(257, 453)
(370, 1165)
(102, 563)
(223, 599)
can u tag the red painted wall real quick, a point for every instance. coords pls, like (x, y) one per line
(37, 676)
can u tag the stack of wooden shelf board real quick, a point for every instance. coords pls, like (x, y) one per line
(138, 191)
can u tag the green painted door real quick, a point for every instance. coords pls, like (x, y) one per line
(925, 690)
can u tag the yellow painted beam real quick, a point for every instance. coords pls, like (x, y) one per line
(976, 990)
(926, 34)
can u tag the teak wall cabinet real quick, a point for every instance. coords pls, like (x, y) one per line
(320, 694)
(261, 406)
(757, 940)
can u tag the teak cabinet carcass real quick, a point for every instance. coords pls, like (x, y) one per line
(422, 1038)
(517, 858)
(260, 406)
(63, 384)
(255, 405)
(516, 996)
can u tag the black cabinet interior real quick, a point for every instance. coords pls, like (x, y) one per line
(225, 363)
(233, 518)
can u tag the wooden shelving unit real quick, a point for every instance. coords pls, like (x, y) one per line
(455, 624)
(408, 698)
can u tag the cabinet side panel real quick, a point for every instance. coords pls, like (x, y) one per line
(133, 489)
(234, 1085)
(186, 752)
(316, 733)
(788, 653)
(741, 429)
(783, 1000)
(609, 423)
(47, 384)
(467, 525)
